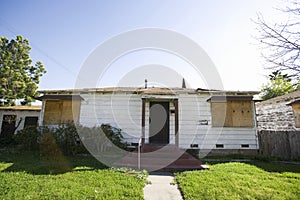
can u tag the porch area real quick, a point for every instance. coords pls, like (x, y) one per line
(155, 157)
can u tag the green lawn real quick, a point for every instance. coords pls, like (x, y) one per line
(259, 180)
(26, 176)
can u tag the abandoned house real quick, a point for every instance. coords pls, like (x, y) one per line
(15, 118)
(221, 121)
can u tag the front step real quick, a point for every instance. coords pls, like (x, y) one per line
(161, 158)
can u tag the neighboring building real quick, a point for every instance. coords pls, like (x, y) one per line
(278, 122)
(188, 118)
(281, 113)
(15, 118)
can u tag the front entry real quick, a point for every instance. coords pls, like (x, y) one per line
(8, 126)
(159, 123)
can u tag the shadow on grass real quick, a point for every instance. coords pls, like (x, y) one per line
(279, 166)
(31, 162)
(267, 163)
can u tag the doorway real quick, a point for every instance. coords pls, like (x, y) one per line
(8, 126)
(159, 123)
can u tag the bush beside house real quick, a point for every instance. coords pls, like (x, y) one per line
(64, 138)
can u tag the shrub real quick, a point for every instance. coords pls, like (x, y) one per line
(114, 135)
(28, 138)
(50, 151)
(68, 140)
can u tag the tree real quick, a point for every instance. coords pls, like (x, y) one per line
(280, 42)
(19, 78)
(279, 84)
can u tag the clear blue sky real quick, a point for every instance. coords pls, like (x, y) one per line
(63, 33)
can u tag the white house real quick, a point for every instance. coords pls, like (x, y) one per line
(221, 121)
(15, 118)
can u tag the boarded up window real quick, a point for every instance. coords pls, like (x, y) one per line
(61, 111)
(232, 114)
(296, 109)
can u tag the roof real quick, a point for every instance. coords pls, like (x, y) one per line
(59, 97)
(294, 102)
(230, 98)
(150, 90)
(289, 98)
(21, 108)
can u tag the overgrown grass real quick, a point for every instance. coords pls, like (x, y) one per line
(27, 176)
(241, 181)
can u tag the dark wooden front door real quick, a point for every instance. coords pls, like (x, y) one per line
(159, 123)
(8, 126)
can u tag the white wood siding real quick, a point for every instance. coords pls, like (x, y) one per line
(125, 111)
(120, 110)
(192, 110)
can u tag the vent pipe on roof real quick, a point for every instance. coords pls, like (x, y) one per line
(183, 83)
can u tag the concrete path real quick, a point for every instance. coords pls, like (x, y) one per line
(161, 187)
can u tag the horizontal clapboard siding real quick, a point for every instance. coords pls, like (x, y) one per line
(193, 110)
(121, 111)
(195, 120)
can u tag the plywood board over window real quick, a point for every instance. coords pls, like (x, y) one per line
(232, 113)
(296, 110)
(61, 111)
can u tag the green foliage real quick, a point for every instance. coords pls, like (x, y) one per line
(33, 163)
(114, 135)
(67, 139)
(29, 137)
(279, 84)
(238, 181)
(84, 182)
(19, 78)
(52, 153)
(143, 175)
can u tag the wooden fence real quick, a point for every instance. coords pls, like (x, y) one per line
(282, 144)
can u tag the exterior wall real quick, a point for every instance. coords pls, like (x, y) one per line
(20, 114)
(124, 110)
(195, 120)
(296, 110)
(277, 116)
(120, 110)
(195, 112)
